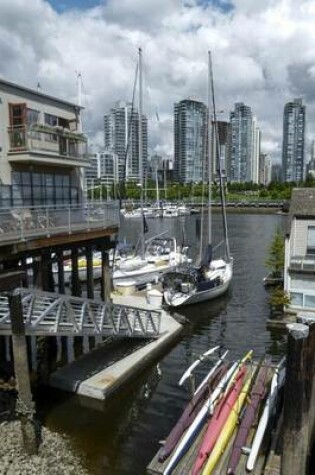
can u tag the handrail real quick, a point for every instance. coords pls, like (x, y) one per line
(19, 223)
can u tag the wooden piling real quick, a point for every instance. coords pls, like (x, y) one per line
(296, 403)
(25, 407)
(89, 272)
(75, 281)
(61, 272)
(106, 284)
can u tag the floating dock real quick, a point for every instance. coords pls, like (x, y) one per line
(97, 376)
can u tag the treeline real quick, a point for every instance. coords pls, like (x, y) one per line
(195, 191)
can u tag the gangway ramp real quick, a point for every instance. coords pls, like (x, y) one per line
(51, 314)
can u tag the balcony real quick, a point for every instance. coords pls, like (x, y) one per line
(42, 143)
(305, 264)
(25, 223)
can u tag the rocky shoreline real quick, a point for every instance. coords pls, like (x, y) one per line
(55, 454)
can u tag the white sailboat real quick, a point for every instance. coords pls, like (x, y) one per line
(148, 266)
(194, 284)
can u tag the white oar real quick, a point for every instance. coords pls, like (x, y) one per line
(276, 383)
(208, 376)
(196, 363)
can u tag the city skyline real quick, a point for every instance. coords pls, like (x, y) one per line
(262, 55)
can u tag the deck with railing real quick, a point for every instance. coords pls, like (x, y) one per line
(19, 224)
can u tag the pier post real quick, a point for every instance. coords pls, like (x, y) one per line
(310, 388)
(34, 352)
(46, 271)
(61, 272)
(296, 403)
(59, 349)
(89, 272)
(7, 341)
(25, 405)
(106, 285)
(70, 349)
(75, 281)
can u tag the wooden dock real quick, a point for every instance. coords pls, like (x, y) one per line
(267, 463)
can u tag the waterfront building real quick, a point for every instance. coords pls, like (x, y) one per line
(299, 276)
(121, 137)
(276, 172)
(293, 141)
(190, 140)
(42, 148)
(103, 167)
(310, 167)
(256, 138)
(222, 140)
(244, 147)
(264, 169)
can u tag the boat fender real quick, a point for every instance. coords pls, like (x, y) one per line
(172, 258)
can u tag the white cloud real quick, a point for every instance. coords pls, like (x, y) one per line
(263, 55)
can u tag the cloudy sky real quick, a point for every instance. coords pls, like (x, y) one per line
(263, 55)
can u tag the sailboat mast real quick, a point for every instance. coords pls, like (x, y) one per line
(217, 148)
(209, 151)
(142, 251)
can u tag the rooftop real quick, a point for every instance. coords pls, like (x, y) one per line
(37, 93)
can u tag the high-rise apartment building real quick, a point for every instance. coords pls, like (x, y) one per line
(293, 141)
(244, 146)
(219, 138)
(190, 139)
(121, 136)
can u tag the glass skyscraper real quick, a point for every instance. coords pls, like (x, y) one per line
(190, 139)
(242, 144)
(121, 136)
(293, 141)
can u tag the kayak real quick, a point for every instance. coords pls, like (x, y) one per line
(200, 358)
(228, 429)
(256, 396)
(276, 383)
(190, 413)
(205, 380)
(218, 420)
(199, 420)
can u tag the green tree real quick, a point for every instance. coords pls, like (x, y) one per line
(275, 260)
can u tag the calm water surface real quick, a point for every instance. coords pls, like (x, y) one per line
(121, 436)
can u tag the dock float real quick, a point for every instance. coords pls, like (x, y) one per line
(97, 376)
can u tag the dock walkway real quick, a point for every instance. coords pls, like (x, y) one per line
(99, 374)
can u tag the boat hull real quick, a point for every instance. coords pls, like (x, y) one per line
(180, 299)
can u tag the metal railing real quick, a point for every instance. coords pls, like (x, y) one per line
(50, 314)
(21, 223)
(303, 263)
(52, 140)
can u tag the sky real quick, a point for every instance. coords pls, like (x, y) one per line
(263, 55)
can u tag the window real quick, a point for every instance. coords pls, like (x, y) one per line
(17, 113)
(51, 120)
(310, 240)
(296, 299)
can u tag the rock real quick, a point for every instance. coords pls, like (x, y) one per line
(55, 455)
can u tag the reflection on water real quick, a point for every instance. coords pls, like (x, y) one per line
(121, 436)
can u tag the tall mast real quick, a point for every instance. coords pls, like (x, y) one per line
(217, 148)
(142, 251)
(209, 150)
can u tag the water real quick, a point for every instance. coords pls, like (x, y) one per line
(121, 436)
